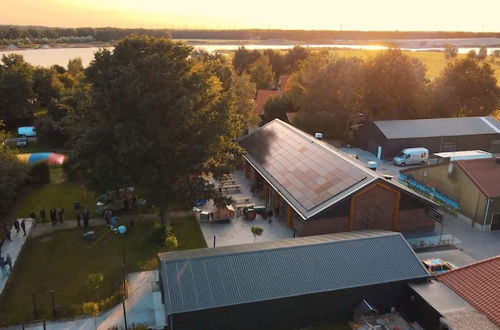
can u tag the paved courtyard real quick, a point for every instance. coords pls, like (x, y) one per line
(238, 230)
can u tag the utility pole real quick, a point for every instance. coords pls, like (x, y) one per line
(124, 291)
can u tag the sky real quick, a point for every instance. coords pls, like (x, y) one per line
(403, 15)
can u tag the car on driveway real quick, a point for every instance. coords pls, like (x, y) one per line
(438, 266)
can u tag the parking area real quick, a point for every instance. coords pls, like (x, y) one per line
(238, 230)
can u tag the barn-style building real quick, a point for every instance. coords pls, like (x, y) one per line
(316, 189)
(387, 138)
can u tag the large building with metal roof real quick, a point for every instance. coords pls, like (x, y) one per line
(387, 138)
(317, 189)
(287, 283)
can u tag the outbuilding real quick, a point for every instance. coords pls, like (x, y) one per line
(387, 138)
(316, 189)
(287, 284)
(473, 184)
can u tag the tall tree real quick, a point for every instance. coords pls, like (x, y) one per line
(466, 88)
(294, 57)
(261, 73)
(450, 51)
(160, 119)
(16, 94)
(396, 86)
(245, 91)
(243, 58)
(327, 90)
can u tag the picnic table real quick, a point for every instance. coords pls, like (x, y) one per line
(230, 188)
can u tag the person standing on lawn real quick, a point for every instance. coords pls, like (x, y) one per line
(16, 226)
(23, 227)
(53, 214)
(42, 215)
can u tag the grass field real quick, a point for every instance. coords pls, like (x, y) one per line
(62, 261)
(434, 61)
(54, 194)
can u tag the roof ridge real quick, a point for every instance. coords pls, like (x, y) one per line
(487, 260)
(336, 238)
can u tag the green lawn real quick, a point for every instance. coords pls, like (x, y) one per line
(55, 194)
(434, 61)
(62, 261)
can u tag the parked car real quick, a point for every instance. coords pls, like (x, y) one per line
(27, 131)
(412, 156)
(437, 266)
(22, 142)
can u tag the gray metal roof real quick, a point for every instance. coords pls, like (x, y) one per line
(210, 278)
(311, 175)
(401, 129)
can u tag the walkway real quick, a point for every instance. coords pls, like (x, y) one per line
(13, 248)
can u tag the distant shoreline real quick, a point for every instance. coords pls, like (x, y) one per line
(402, 43)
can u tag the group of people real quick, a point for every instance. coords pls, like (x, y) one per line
(17, 226)
(56, 215)
(84, 215)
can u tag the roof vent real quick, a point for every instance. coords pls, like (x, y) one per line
(498, 160)
(318, 136)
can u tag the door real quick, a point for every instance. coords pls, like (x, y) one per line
(372, 147)
(495, 222)
(495, 147)
(448, 147)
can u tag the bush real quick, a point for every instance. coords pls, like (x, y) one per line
(39, 173)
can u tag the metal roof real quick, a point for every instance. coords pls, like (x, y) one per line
(311, 175)
(224, 276)
(402, 129)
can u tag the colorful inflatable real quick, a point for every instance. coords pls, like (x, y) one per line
(52, 158)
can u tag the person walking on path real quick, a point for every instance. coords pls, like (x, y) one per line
(23, 227)
(7, 231)
(33, 216)
(60, 215)
(4, 269)
(53, 214)
(16, 226)
(43, 215)
(8, 261)
(78, 218)
(86, 217)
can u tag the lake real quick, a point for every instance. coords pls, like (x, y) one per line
(61, 56)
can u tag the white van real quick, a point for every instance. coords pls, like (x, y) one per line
(412, 156)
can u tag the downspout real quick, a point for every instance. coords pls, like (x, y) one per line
(486, 212)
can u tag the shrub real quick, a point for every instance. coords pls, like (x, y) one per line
(39, 173)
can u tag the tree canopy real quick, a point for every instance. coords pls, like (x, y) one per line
(159, 120)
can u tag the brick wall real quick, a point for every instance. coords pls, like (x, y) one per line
(374, 208)
(320, 226)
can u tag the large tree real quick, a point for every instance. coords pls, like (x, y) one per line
(16, 94)
(261, 73)
(327, 90)
(396, 87)
(466, 88)
(160, 119)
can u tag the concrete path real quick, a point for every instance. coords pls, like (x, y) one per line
(143, 306)
(13, 248)
(479, 245)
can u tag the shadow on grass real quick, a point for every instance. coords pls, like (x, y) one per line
(63, 260)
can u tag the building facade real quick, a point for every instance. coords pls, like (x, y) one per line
(385, 139)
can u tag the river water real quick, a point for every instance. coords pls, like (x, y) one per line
(61, 56)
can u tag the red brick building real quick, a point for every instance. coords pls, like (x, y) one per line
(316, 189)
